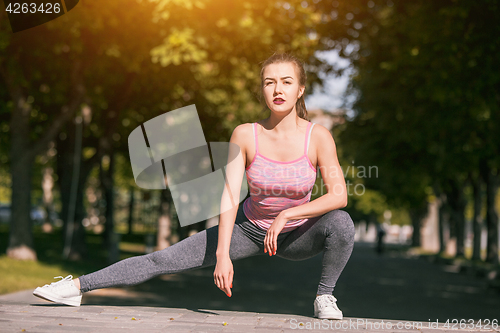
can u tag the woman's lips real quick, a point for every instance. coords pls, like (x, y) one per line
(278, 101)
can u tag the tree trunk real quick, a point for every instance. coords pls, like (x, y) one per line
(443, 221)
(23, 152)
(105, 148)
(476, 219)
(65, 161)
(79, 244)
(72, 221)
(164, 221)
(64, 166)
(79, 249)
(48, 198)
(416, 215)
(457, 204)
(21, 162)
(131, 204)
(107, 184)
(21, 234)
(491, 217)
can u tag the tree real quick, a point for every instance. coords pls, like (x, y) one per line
(427, 107)
(207, 54)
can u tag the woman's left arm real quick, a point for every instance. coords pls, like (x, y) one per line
(333, 178)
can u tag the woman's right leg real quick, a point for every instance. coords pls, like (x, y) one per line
(196, 251)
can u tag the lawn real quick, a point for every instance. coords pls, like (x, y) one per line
(20, 275)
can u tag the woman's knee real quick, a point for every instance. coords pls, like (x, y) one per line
(340, 224)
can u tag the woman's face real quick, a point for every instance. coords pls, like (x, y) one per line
(281, 87)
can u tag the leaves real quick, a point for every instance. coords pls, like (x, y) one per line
(137, 59)
(180, 46)
(424, 100)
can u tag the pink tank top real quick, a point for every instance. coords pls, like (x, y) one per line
(275, 186)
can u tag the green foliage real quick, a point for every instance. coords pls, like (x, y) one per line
(208, 53)
(424, 78)
(5, 183)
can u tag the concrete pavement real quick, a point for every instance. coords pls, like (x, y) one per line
(388, 293)
(22, 312)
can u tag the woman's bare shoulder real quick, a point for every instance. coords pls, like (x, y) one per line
(322, 140)
(321, 132)
(242, 133)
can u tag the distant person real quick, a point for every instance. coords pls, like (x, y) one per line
(280, 155)
(380, 238)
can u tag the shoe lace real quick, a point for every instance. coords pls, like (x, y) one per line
(327, 300)
(67, 278)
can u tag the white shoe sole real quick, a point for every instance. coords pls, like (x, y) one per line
(72, 301)
(324, 316)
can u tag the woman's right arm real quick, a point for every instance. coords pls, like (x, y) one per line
(223, 274)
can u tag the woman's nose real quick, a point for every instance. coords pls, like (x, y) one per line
(277, 87)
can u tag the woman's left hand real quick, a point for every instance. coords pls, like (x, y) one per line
(271, 239)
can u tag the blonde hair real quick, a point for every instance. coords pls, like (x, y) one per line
(277, 58)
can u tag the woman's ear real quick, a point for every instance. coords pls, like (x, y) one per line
(301, 91)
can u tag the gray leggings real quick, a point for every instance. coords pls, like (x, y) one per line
(332, 233)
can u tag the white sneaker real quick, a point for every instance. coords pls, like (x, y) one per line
(325, 307)
(63, 292)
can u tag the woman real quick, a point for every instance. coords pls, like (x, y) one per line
(277, 219)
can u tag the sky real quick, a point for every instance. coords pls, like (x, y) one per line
(333, 96)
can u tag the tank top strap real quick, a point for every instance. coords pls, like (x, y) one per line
(255, 137)
(308, 137)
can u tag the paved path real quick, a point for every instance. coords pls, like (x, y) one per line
(386, 293)
(21, 313)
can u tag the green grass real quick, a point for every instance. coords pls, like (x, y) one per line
(19, 275)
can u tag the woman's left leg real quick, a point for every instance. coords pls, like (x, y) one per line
(332, 233)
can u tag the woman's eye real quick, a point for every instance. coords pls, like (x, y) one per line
(287, 82)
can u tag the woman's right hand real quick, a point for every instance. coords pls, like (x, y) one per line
(223, 275)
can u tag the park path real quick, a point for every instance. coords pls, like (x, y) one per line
(389, 286)
(271, 294)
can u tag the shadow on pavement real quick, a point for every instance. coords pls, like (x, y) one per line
(388, 286)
